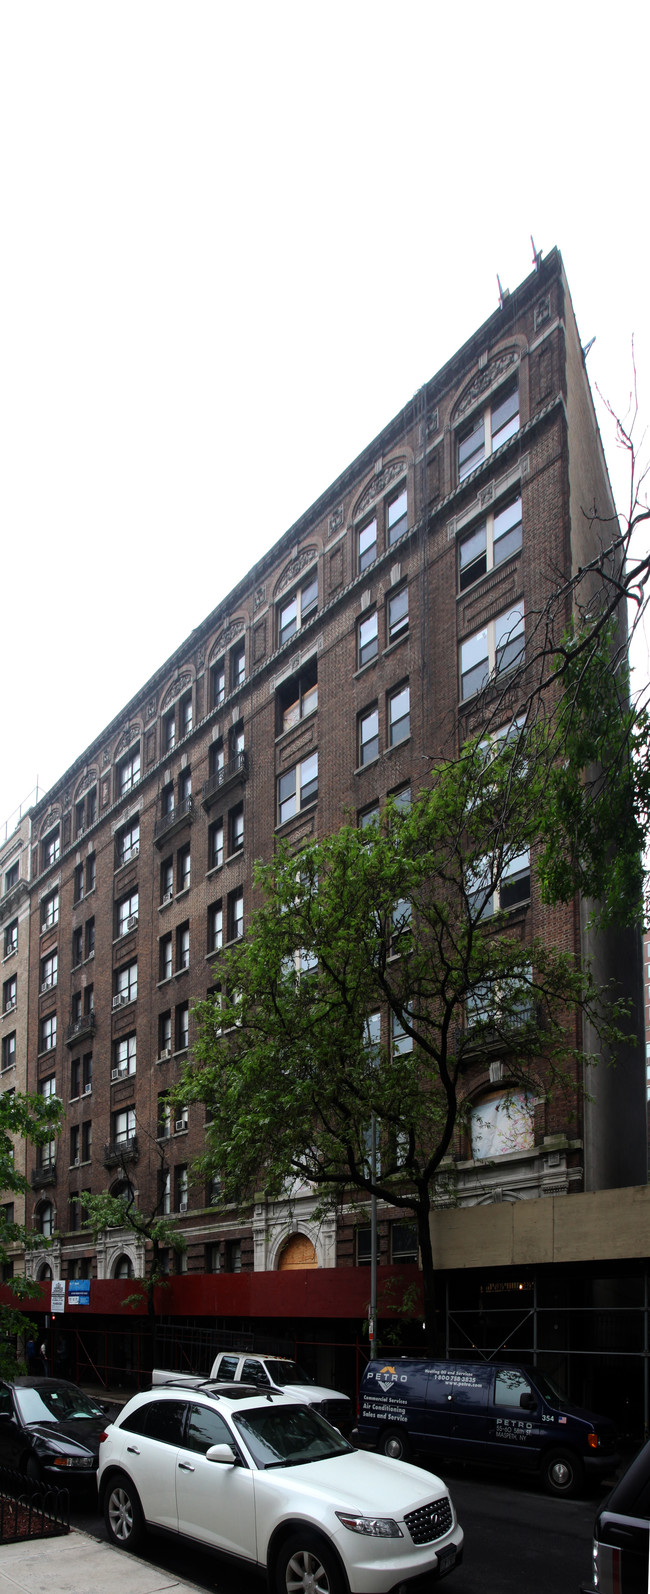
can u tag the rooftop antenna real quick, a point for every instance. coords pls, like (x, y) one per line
(504, 293)
(537, 254)
(588, 346)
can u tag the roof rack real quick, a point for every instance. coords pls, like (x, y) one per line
(210, 1386)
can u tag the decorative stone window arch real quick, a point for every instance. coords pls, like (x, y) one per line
(116, 1245)
(123, 1267)
(502, 1120)
(44, 1273)
(297, 1251)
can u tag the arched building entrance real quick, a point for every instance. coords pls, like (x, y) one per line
(298, 1252)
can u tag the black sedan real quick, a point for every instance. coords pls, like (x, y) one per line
(50, 1430)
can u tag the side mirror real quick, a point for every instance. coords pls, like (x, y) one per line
(223, 1453)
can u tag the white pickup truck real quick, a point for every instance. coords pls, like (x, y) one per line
(272, 1372)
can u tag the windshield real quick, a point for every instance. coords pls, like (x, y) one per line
(58, 1403)
(549, 1389)
(289, 1436)
(287, 1373)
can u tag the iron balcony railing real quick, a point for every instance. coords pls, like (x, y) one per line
(78, 1028)
(236, 769)
(42, 1177)
(118, 1151)
(183, 811)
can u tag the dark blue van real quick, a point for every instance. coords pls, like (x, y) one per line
(507, 1416)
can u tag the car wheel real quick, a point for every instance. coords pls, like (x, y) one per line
(123, 1514)
(562, 1472)
(307, 1565)
(395, 1443)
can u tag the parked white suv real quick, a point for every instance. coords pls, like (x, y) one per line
(277, 1372)
(267, 1479)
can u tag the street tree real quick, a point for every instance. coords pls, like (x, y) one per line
(34, 1119)
(381, 963)
(151, 1226)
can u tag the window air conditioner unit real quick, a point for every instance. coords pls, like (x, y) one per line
(182, 1206)
(121, 998)
(87, 1090)
(76, 1162)
(166, 1052)
(45, 986)
(132, 922)
(179, 1125)
(115, 1073)
(167, 895)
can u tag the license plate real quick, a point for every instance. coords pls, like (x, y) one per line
(446, 1559)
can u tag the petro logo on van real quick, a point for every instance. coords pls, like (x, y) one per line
(386, 1377)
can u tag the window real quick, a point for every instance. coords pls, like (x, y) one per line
(367, 545)
(164, 1117)
(215, 845)
(167, 800)
(236, 739)
(362, 1246)
(368, 735)
(298, 788)
(502, 1121)
(402, 798)
(165, 1192)
(49, 971)
(235, 914)
(181, 1122)
(11, 938)
(165, 966)
(87, 1073)
(78, 885)
(497, 648)
(216, 757)
(75, 1139)
(167, 880)
(48, 1033)
(180, 1183)
(401, 1041)
(8, 1050)
(77, 946)
(165, 1033)
(126, 984)
(45, 1220)
(218, 683)
(488, 430)
(125, 1054)
(89, 937)
(127, 913)
(75, 1078)
(184, 786)
(400, 923)
(369, 816)
(182, 947)
(50, 849)
(399, 715)
(296, 610)
(80, 817)
(396, 515)
(86, 1141)
(487, 896)
(404, 1242)
(237, 666)
(47, 1087)
(124, 1126)
(182, 1026)
(213, 1260)
(215, 927)
(75, 1007)
(128, 772)
(233, 1256)
(489, 543)
(50, 911)
(169, 732)
(183, 868)
(91, 806)
(368, 639)
(186, 717)
(398, 614)
(9, 994)
(236, 828)
(128, 842)
(297, 698)
(12, 875)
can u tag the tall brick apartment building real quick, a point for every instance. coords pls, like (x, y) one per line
(346, 661)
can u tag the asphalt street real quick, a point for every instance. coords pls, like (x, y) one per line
(518, 1540)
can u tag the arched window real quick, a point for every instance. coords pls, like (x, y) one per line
(123, 1187)
(298, 1252)
(45, 1219)
(502, 1121)
(123, 1268)
(44, 1272)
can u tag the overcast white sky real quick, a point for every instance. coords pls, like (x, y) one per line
(235, 240)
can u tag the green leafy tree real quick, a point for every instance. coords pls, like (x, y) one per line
(406, 918)
(34, 1119)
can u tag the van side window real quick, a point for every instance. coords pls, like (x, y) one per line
(509, 1386)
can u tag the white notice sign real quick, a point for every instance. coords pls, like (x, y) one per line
(57, 1300)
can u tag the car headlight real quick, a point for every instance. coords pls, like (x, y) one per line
(372, 1527)
(73, 1461)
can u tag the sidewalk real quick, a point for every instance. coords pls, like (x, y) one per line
(79, 1564)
